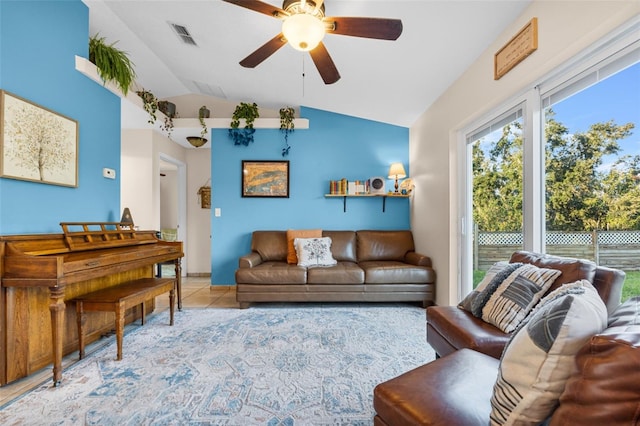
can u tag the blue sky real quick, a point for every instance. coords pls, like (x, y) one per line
(616, 98)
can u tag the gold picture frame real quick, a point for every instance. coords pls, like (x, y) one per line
(37, 144)
(265, 179)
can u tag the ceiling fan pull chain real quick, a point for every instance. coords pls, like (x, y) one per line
(303, 74)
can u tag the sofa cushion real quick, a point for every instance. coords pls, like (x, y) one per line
(292, 234)
(272, 273)
(469, 299)
(517, 295)
(343, 245)
(314, 252)
(606, 387)
(540, 357)
(395, 272)
(384, 245)
(270, 245)
(572, 269)
(342, 273)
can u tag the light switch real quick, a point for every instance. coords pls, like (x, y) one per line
(217, 212)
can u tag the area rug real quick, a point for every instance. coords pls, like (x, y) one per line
(267, 365)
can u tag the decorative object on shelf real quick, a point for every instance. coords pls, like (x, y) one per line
(127, 219)
(149, 103)
(287, 115)
(113, 64)
(376, 185)
(406, 187)
(304, 25)
(265, 179)
(203, 113)
(196, 141)
(249, 112)
(396, 171)
(204, 195)
(169, 110)
(25, 154)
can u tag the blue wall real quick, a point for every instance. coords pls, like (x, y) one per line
(38, 44)
(335, 146)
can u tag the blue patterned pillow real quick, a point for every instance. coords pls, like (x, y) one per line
(314, 252)
(478, 303)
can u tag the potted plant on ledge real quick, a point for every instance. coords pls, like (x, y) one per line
(248, 112)
(113, 64)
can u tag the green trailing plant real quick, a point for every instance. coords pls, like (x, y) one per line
(113, 64)
(287, 126)
(248, 112)
(149, 103)
(203, 113)
(169, 111)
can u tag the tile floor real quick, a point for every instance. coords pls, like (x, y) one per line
(196, 293)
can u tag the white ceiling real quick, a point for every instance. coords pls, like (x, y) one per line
(387, 81)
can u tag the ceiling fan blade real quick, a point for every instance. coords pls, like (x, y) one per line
(264, 51)
(379, 28)
(261, 7)
(324, 63)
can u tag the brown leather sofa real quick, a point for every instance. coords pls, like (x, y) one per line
(372, 266)
(456, 389)
(450, 328)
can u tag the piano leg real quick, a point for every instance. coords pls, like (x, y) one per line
(179, 282)
(57, 309)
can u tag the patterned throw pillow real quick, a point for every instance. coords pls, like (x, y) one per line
(292, 234)
(517, 295)
(478, 303)
(314, 252)
(540, 356)
(469, 298)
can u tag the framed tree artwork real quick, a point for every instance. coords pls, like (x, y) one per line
(265, 179)
(37, 144)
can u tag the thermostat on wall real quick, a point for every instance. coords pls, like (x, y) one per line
(377, 185)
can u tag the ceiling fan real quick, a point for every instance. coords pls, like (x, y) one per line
(304, 24)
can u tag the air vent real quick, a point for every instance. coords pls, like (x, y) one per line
(207, 89)
(183, 33)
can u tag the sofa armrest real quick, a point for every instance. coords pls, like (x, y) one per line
(250, 260)
(417, 259)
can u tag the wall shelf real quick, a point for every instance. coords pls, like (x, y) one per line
(383, 196)
(183, 127)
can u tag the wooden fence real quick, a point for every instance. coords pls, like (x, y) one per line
(616, 249)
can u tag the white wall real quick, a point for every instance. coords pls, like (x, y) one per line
(565, 28)
(136, 169)
(168, 199)
(199, 219)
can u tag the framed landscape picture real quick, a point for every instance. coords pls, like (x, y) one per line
(37, 144)
(265, 179)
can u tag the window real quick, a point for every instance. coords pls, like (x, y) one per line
(569, 186)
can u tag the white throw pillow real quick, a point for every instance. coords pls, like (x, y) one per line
(540, 356)
(314, 252)
(517, 295)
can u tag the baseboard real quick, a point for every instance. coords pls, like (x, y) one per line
(198, 274)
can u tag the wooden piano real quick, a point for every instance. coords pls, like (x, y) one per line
(41, 273)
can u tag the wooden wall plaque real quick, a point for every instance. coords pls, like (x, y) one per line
(516, 50)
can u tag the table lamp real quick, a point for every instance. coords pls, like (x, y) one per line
(396, 171)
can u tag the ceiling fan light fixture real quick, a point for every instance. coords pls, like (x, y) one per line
(303, 31)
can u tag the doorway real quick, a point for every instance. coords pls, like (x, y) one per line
(173, 202)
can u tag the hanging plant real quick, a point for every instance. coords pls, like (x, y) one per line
(149, 103)
(113, 64)
(203, 113)
(286, 126)
(169, 111)
(249, 112)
